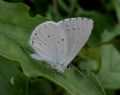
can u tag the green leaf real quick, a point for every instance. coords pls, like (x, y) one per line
(90, 59)
(109, 35)
(110, 70)
(16, 26)
(40, 86)
(16, 22)
(12, 81)
(110, 92)
(112, 37)
(116, 4)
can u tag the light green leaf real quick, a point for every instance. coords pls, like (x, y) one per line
(110, 70)
(90, 59)
(108, 35)
(16, 26)
(116, 4)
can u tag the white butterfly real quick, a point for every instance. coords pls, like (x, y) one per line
(58, 43)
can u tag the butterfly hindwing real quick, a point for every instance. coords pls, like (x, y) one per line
(49, 42)
(41, 41)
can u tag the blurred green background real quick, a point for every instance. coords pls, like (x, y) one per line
(100, 55)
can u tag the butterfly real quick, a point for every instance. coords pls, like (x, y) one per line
(58, 43)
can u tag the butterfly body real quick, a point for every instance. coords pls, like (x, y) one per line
(58, 43)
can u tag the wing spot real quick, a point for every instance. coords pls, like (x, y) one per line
(58, 42)
(73, 28)
(35, 34)
(48, 36)
(62, 39)
(67, 30)
(32, 42)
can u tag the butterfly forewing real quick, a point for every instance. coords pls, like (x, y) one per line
(49, 42)
(77, 33)
(70, 35)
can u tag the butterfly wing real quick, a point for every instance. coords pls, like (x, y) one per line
(41, 42)
(77, 31)
(58, 43)
(49, 42)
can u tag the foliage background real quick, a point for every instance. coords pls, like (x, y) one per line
(96, 68)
